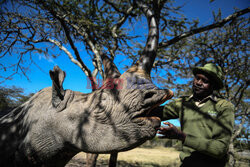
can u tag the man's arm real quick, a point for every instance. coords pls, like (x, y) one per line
(172, 110)
(168, 111)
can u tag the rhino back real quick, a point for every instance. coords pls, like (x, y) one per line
(21, 127)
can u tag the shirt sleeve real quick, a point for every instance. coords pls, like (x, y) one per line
(172, 109)
(218, 145)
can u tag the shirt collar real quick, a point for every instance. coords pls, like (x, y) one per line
(212, 97)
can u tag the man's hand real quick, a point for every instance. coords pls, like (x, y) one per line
(171, 132)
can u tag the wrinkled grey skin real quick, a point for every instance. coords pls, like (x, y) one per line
(55, 124)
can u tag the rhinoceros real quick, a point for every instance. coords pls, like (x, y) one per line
(56, 124)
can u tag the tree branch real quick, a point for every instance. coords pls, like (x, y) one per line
(241, 94)
(116, 27)
(82, 66)
(71, 42)
(92, 46)
(149, 52)
(82, 31)
(94, 49)
(205, 28)
(240, 126)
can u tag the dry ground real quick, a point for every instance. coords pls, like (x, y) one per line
(138, 157)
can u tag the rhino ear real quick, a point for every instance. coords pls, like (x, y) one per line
(57, 76)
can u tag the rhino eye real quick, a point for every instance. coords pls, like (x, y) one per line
(149, 95)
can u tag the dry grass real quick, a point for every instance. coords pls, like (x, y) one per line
(148, 157)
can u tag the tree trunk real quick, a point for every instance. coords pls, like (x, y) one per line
(232, 159)
(113, 159)
(91, 160)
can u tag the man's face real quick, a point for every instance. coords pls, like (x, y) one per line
(202, 86)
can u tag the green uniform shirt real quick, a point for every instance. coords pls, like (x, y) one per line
(208, 126)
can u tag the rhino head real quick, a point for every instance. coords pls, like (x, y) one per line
(119, 113)
(116, 117)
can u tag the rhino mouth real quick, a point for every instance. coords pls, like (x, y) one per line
(166, 97)
(151, 116)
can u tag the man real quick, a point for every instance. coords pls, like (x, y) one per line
(206, 120)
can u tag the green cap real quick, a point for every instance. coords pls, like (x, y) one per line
(213, 71)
